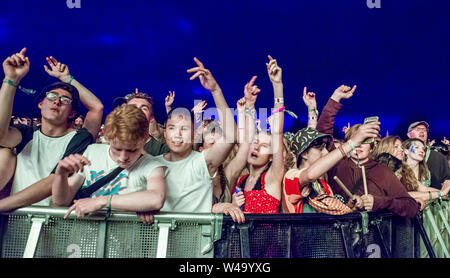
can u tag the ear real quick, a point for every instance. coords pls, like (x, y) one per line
(200, 149)
(304, 155)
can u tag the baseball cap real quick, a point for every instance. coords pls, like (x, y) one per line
(413, 125)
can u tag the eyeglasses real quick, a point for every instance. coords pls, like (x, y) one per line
(52, 96)
(418, 129)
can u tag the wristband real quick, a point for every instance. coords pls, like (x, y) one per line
(352, 145)
(314, 110)
(10, 82)
(250, 111)
(278, 110)
(429, 192)
(278, 100)
(70, 79)
(440, 197)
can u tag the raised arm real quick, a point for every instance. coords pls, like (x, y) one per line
(15, 68)
(309, 98)
(94, 115)
(325, 124)
(217, 154)
(246, 130)
(325, 163)
(168, 101)
(276, 171)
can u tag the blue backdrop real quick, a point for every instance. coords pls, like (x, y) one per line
(398, 54)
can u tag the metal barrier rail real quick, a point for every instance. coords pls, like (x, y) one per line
(42, 232)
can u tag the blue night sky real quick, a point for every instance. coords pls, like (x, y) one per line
(397, 55)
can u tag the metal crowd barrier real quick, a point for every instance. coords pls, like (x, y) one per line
(42, 232)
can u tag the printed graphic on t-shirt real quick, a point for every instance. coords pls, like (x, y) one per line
(113, 187)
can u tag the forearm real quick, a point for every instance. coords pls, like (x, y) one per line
(323, 164)
(312, 117)
(30, 195)
(89, 100)
(62, 195)
(7, 93)
(277, 133)
(141, 201)
(325, 123)
(225, 116)
(403, 206)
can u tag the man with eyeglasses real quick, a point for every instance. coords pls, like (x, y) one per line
(39, 149)
(436, 162)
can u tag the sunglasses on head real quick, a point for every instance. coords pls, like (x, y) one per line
(52, 96)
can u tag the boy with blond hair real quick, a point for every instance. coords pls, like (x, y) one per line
(139, 184)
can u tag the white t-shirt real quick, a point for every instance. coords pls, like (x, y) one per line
(127, 181)
(189, 185)
(38, 159)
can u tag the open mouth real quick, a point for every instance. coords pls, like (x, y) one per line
(254, 154)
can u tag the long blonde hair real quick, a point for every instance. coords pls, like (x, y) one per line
(385, 145)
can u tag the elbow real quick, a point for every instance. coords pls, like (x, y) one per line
(98, 107)
(59, 202)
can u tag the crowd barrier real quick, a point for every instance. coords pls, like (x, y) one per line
(42, 232)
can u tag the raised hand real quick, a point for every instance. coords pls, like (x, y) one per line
(309, 98)
(273, 70)
(369, 130)
(16, 66)
(240, 104)
(251, 92)
(199, 107)
(71, 164)
(205, 76)
(57, 69)
(346, 128)
(169, 99)
(343, 92)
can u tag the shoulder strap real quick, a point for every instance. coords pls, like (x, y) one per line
(87, 192)
(78, 144)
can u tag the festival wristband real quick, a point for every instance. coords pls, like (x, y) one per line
(10, 82)
(278, 100)
(278, 110)
(70, 79)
